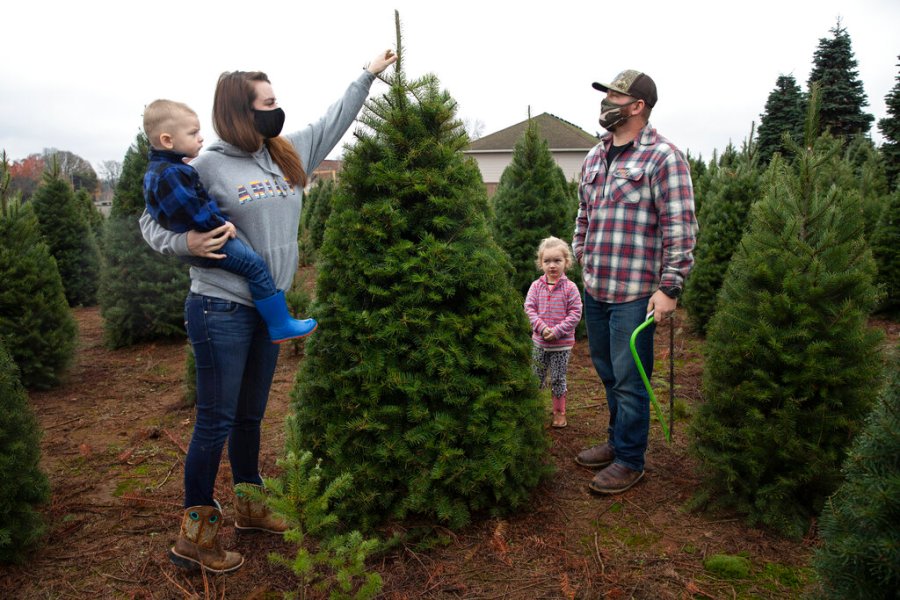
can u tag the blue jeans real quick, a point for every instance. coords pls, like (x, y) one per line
(235, 364)
(242, 260)
(609, 328)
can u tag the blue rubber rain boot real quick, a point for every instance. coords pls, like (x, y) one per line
(282, 327)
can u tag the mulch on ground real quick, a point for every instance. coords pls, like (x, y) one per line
(115, 435)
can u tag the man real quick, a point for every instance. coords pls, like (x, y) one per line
(634, 237)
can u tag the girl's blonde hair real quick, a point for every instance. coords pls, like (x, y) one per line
(554, 242)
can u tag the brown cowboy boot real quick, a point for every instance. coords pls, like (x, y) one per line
(615, 479)
(252, 515)
(197, 545)
(596, 456)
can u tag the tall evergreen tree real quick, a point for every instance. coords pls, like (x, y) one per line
(843, 96)
(141, 292)
(94, 218)
(890, 129)
(699, 177)
(35, 321)
(790, 360)
(783, 114)
(316, 210)
(858, 172)
(418, 384)
(707, 173)
(886, 250)
(863, 175)
(860, 553)
(23, 485)
(730, 157)
(723, 221)
(532, 202)
(69, 237)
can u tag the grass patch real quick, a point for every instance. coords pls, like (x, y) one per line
(776, 576)
(630, 536)
(159, 370)
(125, 486)
(728, 566)
(778, 579)
(141, 470)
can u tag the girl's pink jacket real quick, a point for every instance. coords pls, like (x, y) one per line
(557, 307)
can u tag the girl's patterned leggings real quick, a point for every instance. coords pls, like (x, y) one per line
(554, 361)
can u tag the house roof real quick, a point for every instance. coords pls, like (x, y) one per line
(327, 169)
(328, 166)
(559, 133)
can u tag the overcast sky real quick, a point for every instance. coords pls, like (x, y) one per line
(76, 75)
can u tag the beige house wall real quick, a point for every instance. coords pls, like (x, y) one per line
(492, 164)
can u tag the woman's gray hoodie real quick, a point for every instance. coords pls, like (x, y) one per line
(252, 193)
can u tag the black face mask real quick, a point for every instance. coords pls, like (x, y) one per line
(268, 122)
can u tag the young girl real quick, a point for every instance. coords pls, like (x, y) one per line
(553, 306)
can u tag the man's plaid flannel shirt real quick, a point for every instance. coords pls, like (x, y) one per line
(174, 196)
(636, 228)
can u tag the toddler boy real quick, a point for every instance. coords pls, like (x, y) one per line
(177, 200)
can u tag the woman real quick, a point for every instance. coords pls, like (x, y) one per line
(257, 178)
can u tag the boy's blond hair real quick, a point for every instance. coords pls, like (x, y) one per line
(554, 242)
(160, 116)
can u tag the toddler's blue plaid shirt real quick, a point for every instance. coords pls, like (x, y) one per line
(174, 196)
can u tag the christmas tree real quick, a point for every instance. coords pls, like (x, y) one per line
(790, 360)
(22, 484)
(723, 219)
(699, 179)
(69, 237)
(142, 292)
(862, 174)
(316, 210)
(418, 382)
(860, 553)
(35, 321)
(886, 250)
(532, 202)
(843, 96)
(783, 114)
(890, 129)
(94, 218)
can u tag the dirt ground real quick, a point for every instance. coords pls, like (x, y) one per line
(114, 442)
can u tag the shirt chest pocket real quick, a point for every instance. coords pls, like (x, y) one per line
(591, 190)
(626, 185)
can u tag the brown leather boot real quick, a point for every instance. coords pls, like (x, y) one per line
(197, 545)
(596, 456)
(251, 515)
(615, 479)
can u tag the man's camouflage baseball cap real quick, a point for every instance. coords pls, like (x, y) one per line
(632, 83)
